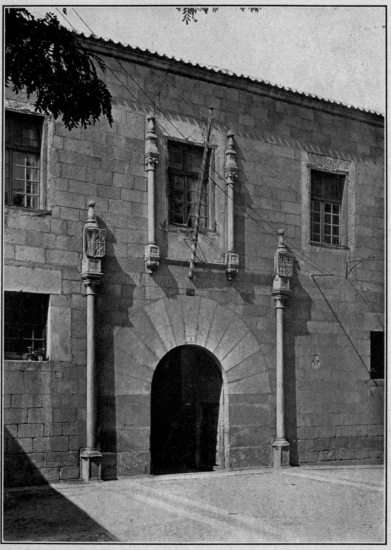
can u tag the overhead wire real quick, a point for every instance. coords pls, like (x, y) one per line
(258, 220)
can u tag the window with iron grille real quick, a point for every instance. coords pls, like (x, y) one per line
(22, 159)
(184, 165)
(377, 355)
(25, 322)
(326, 205)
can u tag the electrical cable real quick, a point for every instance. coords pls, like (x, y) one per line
(257, 220)
(249, 207)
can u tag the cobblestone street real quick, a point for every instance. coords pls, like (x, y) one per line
(331, 504)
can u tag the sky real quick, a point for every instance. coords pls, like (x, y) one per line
(337, 53)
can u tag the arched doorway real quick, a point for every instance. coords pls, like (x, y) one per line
(187, 412)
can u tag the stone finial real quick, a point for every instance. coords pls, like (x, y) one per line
(283, 266)
(231, 167)
(151, 150)
(91, 211)
(281, 233)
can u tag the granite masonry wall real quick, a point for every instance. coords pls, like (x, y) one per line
(333, 410)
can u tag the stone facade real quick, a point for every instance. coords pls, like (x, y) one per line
(333, 410)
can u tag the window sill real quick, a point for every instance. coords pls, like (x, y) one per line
(184, 230)
(29, 361)
(328, 246)
(375, 382)
(27, 211)
(199, 264)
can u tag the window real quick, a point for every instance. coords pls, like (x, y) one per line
(326, 206)
(377, 354)
(22, 159)
(184, 165)
(25, 321)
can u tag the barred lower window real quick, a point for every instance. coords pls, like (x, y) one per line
(184, 165)
(22, 159)
(377, 354)
(25, 322)
(326, 204)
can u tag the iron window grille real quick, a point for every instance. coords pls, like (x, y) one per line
(326, 206)
(377, 354)
(22, 159)
(25, 325)
(184, 165)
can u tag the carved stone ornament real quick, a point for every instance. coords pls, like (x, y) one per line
(231, 167)
(283, 266)
(94, 246)
(332, 164)
(151, 154)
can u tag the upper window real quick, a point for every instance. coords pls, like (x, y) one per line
(25, 321)
(184, 165)
(22, 159)
(326, 207)
(377, 355)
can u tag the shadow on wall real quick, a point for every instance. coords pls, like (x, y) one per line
(19, 470)
(297, 315)
(114, 298)
(41, 513)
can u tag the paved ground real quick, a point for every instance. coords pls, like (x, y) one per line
(306, 504)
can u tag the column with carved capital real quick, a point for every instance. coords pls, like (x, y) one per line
(283, 271)
(231, 175)
(152, 253)
(93, 251)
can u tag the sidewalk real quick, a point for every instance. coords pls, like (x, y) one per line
(331, 504)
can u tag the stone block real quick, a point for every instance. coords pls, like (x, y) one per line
(69, 472)
(54, 443)
(50, 474)
(133, 463)
(30, 430)
(250, 457)
(14, 384)
(64, 415)
(338, 442)
(21, 445)
(7, 401)
(76, 442)
(100, 177)
(15, 416)
(35, 416)
(134, 439)
(52, 428)
(9, 251)
(16, 236)
(36, 381)
(59, 334)
(249, 414)
(132, 411)
(250, 436)
(29, 254)
(62, 257)
(73, 428)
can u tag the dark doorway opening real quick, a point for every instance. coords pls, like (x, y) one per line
(186, 412)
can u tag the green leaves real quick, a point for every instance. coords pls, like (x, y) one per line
(188, 14)
(48, 61)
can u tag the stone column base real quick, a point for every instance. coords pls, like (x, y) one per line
(281, 454)
(90, 464)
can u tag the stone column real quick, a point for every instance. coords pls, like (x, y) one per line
(91, 457)
(231, 175)
(93, 252)
(152, 253)
(283, 269)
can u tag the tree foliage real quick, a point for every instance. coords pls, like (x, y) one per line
(46, 60)
(189, 14)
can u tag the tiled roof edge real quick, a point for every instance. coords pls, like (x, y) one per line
(225, 72)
